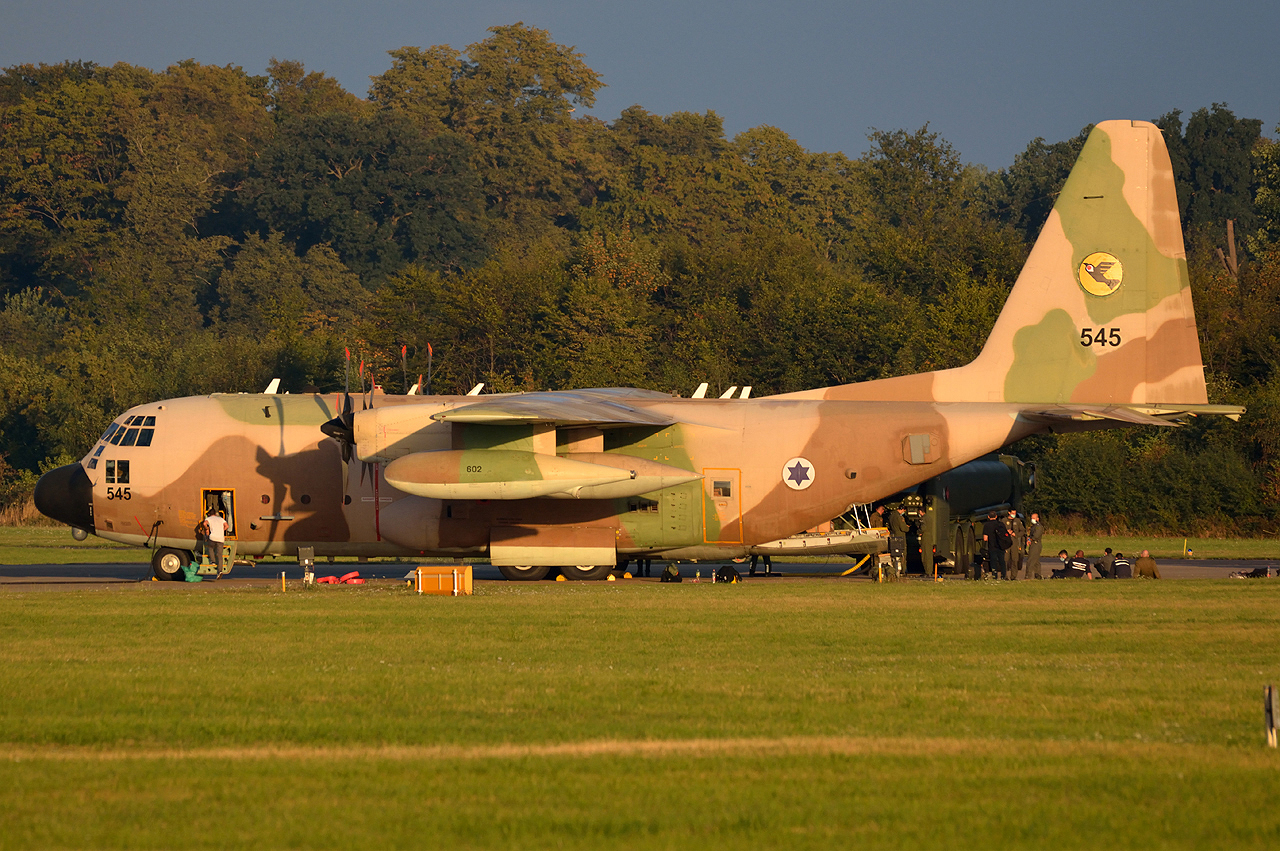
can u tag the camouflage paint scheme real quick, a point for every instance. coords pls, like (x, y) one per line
(1061, 357)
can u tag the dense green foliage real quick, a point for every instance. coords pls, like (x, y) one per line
(202, 229)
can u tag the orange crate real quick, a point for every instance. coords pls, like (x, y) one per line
(449, 581)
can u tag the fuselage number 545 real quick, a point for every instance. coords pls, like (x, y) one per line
(1102, 337)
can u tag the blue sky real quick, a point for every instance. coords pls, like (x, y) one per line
(988, 75)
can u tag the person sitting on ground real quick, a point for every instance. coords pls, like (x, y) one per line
(1060, 572)
(1104, 564)
(1076, 567)
(1146, 567)
(1121, 568)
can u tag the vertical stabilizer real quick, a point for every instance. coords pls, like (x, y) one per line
(1101, 313)
(1102, 310)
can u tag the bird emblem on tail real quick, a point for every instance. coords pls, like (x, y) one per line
(1101, 273)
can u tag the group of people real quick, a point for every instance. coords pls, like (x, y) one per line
(1012, 546)
(1011, 549)
(1109, 566)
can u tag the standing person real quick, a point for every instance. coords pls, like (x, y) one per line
(1146, 567)
(1105, 563)
(994, 535)
(217, 526)
(1018, 535)
(897, 538)
(1121, 568)
(1035, 543)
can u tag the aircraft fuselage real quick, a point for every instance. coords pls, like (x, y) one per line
(767, 468)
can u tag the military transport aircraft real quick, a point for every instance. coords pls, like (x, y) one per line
(1097, 332)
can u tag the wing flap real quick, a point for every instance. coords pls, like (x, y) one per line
(560, 408)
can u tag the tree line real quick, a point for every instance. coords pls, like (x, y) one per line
(204, 229)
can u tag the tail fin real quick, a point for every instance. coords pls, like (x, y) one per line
(1101, 313)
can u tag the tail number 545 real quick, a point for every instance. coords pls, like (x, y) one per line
(1101, 337)
(119, 493)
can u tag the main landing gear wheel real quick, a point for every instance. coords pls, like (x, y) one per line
(586, 571)
(167, 563)
(524, 573)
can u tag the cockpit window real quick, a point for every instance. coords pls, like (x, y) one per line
(137, 430)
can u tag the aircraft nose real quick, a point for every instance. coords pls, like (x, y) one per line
(66, 495)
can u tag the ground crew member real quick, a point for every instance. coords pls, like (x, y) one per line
(992, 531)
(1018, 534)
(897, 538)
(217, 532)
(1121, 567)
(1146, 567)
(1105, 563)
(1078, 566)
(1035, 541)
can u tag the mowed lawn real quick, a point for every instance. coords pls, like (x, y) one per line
(784, 713)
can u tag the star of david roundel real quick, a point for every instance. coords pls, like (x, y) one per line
(798, 474)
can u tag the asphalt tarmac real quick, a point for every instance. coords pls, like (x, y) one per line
(50, 577)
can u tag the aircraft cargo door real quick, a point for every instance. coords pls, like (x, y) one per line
(722, 505)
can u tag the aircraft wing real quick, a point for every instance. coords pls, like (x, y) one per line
(1158, 415)
(606, 407)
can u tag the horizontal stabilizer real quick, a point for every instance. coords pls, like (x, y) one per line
(1157, 415)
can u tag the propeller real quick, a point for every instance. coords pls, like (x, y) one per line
(342, 428)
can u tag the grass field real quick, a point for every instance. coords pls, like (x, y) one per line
(805, 714)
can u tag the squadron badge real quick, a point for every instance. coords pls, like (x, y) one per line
(797, 474)
(1100, 273)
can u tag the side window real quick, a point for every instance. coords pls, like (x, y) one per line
(722, 489)
(122, 472)
(111, 472)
